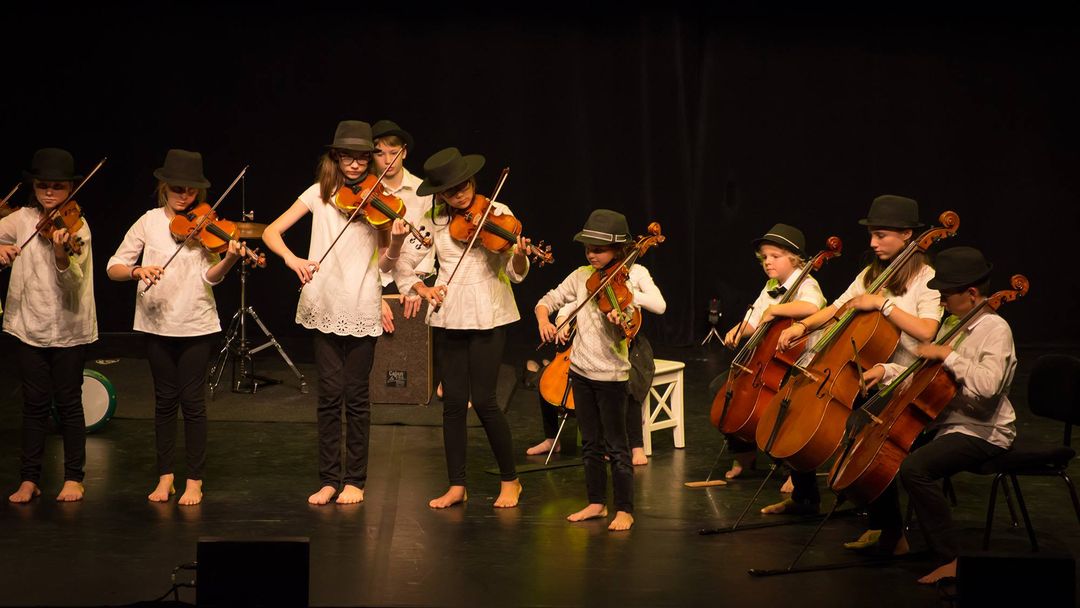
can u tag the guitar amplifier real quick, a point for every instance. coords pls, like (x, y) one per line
(401, 372)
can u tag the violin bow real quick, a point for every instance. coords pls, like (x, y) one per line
(479, 227)
(7, 198)
(198, 227)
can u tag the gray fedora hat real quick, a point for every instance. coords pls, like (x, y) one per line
(446, 169)
(889, 211)
(604, 227)
(785, 237)
(52, 164)
(353, 135)
(183, 168)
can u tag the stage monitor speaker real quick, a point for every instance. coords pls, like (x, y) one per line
(263, 572)
(401, 372)
(1016, 579)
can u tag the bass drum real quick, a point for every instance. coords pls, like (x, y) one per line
(99, 401)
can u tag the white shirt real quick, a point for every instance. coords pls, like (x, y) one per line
(480, 296)
(345, 296)
(919, 301)
(599, 349)
(182, 303)
(46, 306)
(983, 362)
(415, 208)
(809, 291)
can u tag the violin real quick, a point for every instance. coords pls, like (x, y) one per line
(804, 422)
(68, 215)
(499, 232)
(214, 233)
(554, 385)
(615, 295)
(888, 423)
(376, 206)
(758, 370)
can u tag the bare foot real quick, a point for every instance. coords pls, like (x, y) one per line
(323, 496)
(72, 491)
(622, 521)
(192, 493)
(543, 447)
(788, 487)
(790, 507)
(27, 491)
(592, 511)
(638, 459)
(452, 497)
(508, 494)
(743, 460)
(438, 390)
(164, 489)
(350, 495)
(946, 571)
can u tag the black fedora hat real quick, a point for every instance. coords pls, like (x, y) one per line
(353, 135)
(959, 267)
(785, 237)
(182, 168)
(52, 164)
(604, 227)
(889, 211)
(446, 169)
(384, 128)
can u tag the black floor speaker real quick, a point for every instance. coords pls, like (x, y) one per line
(401, 372)
(263, 572)
(1016, 579)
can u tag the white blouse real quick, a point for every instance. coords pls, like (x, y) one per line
(182, 303)
(809, 291)
(345, 295)
(480, 296)
(46, 306)
(415, 208)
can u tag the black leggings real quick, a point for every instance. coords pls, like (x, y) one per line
(344, 365)
(634, 424)
(601, 413)
(52, 376)
(470, 367)
(178, 366)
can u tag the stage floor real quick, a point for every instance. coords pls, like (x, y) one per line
(392, 550)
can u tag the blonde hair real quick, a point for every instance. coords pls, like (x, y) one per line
(797, 260)
(162, 193)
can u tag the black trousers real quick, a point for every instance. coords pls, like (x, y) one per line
(52, 376)
(921, 474)
(470, 367)
(178, 366)
(601, 414)
(344, 366)
(549, 414)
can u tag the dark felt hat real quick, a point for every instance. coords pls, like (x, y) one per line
(958, 268)
(604, 227)
(353, 135)
(52, 164)
(888, 211)
(446, 169)
(785, 237)
(384, 128)
(182, 168)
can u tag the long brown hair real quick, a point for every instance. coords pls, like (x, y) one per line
(328, 175)
(898, 282)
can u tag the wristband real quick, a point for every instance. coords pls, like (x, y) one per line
(887, 307)
(133, 269)
(800, 323)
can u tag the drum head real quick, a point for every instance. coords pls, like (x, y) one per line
(99, 400)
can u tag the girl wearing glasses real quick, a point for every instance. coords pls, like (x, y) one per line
(178, 316)
(342, 302)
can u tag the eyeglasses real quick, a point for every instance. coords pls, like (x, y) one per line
(456, 190)
(183, 190)
(349, 158)
(48, 186)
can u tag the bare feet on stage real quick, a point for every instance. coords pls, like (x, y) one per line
(946, 571)
(453, 496)
(638, 458)
(323, 496)
(509, 492)
(622, 521)
(350, 495)
(788, 487)
(543, 447)
(790, 507)
(881, 543)
(592, 511)
(27, 491)
(72, 491)
(192, 493)
(164, 489)
(743, 460)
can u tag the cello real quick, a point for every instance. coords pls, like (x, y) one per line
(804, 422)
(758, 369)
(887, 425)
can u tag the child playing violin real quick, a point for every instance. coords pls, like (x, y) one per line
(178, 315)
(50, 309)
(780, 253)
(977, 425)
(470, 321)
(906, 301)
(599, 368)
(342, 302)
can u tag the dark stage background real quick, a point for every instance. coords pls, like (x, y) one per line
(716, 126)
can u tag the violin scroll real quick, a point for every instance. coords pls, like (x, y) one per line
(950, 223)
(1019, 289)
(833, 247)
